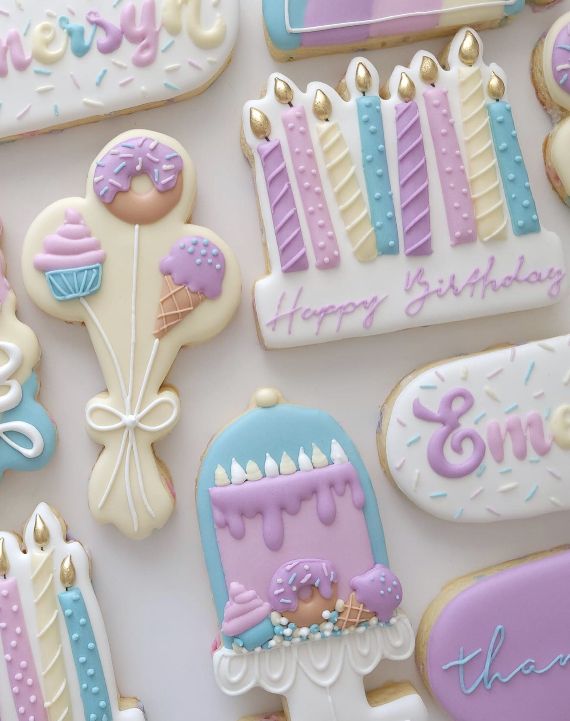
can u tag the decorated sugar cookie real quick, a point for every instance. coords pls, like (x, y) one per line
(124, 261)
(496, 644)
(301, 28)
(383, 214)
(56, 661)
(69, 62)
(485, 437)
(319, 607)
(550, 68)
(27, 434)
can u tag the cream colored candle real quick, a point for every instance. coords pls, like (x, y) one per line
(342, 175)
(481, 160)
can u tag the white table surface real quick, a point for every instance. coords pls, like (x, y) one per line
(155, 594)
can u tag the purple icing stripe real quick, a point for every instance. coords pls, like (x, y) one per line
(271, 497)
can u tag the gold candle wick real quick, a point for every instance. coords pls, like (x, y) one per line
(469, 49)
(429, 70)
(41, 532)
(260, 124)
(496, 87)
(283, 92)
(67, 572)
(363, 78)
(322, 106)
(406, 88)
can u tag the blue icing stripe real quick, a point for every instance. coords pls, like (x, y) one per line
(32, 412)
(274, 430)
(94, 694)
(516, 184)
(377, 175)
(274, 14)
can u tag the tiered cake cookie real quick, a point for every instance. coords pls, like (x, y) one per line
(383, 214)
(300, 28)
(27, 434)
(485, 437)
(496, 644)
(550, 73)
(124, 261)
(68, 62)
(56, 661)
(295, 551)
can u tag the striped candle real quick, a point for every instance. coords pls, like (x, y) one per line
(377, 175)
(453, 178)
(317, 214)
(414, 184)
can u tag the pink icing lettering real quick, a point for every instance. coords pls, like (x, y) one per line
(448, 417)
(113, 34)
(144, 34)
(522, 430)
(13, 45)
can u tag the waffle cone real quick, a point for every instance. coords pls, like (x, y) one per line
(353, 613)
(176, 302)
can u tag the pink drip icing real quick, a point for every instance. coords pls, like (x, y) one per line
(317, 214)
(272, 497)
(290, 242)
(26, 688)
(452, 175)
(414, 188)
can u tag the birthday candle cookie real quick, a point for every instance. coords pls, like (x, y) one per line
(56, 662)
(70, 62)
(550, 73)
(400, 211)
(302, 28)
(124, 261)
(27, 434)
(319, 608)
(484, 437)
(496, 644)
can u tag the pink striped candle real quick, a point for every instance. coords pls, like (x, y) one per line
(26, 689)
(414, 184)
(323, 237)
(290, 242)
(453, 178)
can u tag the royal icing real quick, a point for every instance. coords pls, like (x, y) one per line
(319, 607)
(129, 236)
(431, 178)
(483, 438)
(496, 645)
(298, 27)
(56, 664)
(71, 62)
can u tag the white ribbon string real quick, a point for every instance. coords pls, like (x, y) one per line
(12, 399)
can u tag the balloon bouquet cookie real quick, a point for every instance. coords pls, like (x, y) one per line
(124, 261)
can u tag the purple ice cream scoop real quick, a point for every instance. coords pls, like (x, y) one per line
(379, 590)
(198, 264)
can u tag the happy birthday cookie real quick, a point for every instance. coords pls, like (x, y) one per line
(69, 62)
(320, 608)
(496, 644)
(56, 661)
(485, 437)
(385, 213)
(304, 28)
(125, 262)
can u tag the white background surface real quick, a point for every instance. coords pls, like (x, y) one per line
(155, 594)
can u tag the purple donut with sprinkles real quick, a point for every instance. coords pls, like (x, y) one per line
(295, 580)
(136, 156)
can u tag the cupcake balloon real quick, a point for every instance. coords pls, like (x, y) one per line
(193, 271)
(72, 259)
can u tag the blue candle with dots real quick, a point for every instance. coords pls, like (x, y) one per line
(90, 675)
(375, 164)
(516, 184)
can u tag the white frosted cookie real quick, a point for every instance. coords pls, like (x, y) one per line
(124, 261)
(56, 661)
(485, 437)
(68, 62)
(381, 214)
(303, 28)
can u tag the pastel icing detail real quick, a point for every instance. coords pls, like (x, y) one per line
(560, 59)
(80, 63)
(379, 590)
(423, 201)
(244, 610)
(484, 438)
(197, 263)
(499, 646)
(292, 580)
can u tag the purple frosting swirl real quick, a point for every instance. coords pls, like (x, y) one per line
(132, 157)
(295, 580)
(196, 263)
